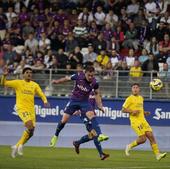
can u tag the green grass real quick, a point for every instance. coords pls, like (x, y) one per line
(63, 158)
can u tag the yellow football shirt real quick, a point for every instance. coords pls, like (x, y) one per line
(135, 103)
(102, 60)
(25, 92)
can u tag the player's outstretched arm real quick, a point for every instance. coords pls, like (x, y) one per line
(42, 95)
(61, 80)
(99, 100)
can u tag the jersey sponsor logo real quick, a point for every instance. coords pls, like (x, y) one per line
(82, 88)
(159, 114)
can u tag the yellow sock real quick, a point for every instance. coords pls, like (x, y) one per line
(133, 144)
(23, 138)
(155, 149)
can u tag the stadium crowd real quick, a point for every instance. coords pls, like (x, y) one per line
(129, 35)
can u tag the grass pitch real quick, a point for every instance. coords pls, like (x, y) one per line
(65, 158)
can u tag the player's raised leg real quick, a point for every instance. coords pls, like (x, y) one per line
(60, 126)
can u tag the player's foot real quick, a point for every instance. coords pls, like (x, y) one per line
(53, 141)
(127, 150)
(104, 156)
(160, 156)
(14, 150)
(20, 150)
(76, 147)
(102, 137)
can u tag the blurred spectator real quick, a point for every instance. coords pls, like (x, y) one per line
(136, 70)
(152, 13)
(112, 19)
(86, 16)
(44, 42)
(10, 14)
(3, 20)
(99, 17)
(66, 28)
(75, 57)
(144, 56)
(152, 46)
(163, 6)
(81, 33)
(31, 43)
(27, 29)
(90, 56)
(114, 58)
(103, 59)
(139, 18)
(118, 38)
(93, 31)
(130, 59)
(99, 44)
(150, 65)
(62, 59)
(38, 65)
(164, 48)
(163, 72)
(132, 8)
(131, 37)
(123, 68)
(70, 43)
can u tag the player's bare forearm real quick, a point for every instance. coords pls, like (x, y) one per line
(62, 80)
(98, 100)
(147, 113)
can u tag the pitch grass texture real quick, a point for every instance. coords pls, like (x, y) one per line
(65, 158)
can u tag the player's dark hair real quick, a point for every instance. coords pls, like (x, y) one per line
(25, 69)
(89, 69)
(135, 84)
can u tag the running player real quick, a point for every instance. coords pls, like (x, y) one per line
(25, 91)
(134, 106)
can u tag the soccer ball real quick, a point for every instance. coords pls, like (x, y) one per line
(156, 84)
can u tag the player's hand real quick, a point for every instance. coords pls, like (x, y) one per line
(5, 71)
(101, 109)
(135, 112)
(47, 105)
(147, 113)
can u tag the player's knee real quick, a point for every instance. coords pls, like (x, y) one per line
(29, 125)
(93, 133)
(142, 140)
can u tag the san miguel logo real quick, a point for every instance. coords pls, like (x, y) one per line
(159, 114)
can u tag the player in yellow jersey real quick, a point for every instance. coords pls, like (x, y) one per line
(134, 106)
(25, 91)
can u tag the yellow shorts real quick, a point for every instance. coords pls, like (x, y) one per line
(27, 116)
(141, 128)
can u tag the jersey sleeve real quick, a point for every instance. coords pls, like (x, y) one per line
(11, 83)
(74, 77)
(96, 86)
(40, 93)
(127, 103)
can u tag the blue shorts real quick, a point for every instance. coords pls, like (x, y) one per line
(72, 106)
